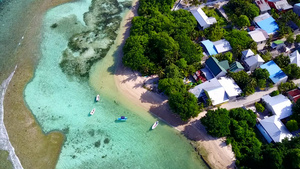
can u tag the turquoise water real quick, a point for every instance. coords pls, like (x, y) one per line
(61, 102)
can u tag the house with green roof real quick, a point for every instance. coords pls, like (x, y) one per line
(236, 67)
(216, 67)
(278, 44)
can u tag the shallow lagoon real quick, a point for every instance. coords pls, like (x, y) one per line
(61, 102)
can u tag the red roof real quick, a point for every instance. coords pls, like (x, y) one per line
(294, 92)
(296, 98)
(251, 28)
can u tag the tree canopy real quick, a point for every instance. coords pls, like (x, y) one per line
(292, 70)
(239, 40)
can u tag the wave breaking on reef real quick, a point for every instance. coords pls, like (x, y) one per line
(4, 139)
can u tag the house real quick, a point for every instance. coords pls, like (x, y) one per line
(294, 95)
(231, 88)
(247, 53)
(263, 6)
(295, 58)
(278, 44)
(214, 90)
(217, 47)
(209, 47)
(271, 127)
(267, 23)
(280, 5)
(253, 62)
(236, 67)
(219, 90)
(259, 36)
(297, 9)
(222, 46)
(276, 74)
(212, 64)
(202, 19)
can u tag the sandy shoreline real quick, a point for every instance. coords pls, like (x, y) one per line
(34, 149)
(129, 83)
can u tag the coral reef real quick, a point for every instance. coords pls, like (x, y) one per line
(85, 48)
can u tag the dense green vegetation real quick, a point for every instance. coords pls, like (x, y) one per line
(282, 61)
(287, 86)
(283, 19)
(292, 70)
(236, 8)
(161, 43)
(238, 126)
(239, 41)
(296, 112)
(244, 81)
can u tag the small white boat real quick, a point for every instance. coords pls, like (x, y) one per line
(155, 125)
(97, 98)
(93, 111)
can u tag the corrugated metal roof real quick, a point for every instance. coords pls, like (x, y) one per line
(276, 74)
(209, 47)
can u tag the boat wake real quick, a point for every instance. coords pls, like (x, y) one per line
(4, 139)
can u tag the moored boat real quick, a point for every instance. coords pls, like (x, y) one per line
(97, 98)
(155, 125)
(122, 118)
(93, 111)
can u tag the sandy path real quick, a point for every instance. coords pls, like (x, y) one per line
(129, 83)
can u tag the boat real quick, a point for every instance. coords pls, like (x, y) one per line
(97, 97)
(155, 125)
(93, 111)
(122, 118)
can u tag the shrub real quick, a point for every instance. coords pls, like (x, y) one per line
(292, 125)
(274, 93)
(259, 107)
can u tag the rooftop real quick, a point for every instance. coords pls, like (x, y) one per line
(222, 46)
(281, 106)
(250, 61)
(231, 88)
(276, 74)
(247, 53)
(263, 6)
(276, 130)
(213, 64)
(235, 65)
(209, 47)
(267, 23)
(202, 18)
(259, 35)
(295, 57)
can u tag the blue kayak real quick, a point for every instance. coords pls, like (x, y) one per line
(122, 118)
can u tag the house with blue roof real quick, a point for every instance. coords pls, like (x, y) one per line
(276, 74)
(217, 47)
(297, 9)
(267, 23)
(218, 69)
(209, 47)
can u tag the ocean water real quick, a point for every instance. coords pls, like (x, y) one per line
(63, 102)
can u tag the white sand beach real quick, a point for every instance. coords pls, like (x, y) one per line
(215, 151)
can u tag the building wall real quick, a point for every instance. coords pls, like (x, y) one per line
(221, 74)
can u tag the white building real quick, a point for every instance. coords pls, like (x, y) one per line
(253, 62)
(219, 90)
(222, 46)
(271, 127)
(202, 18)
(295, 58)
